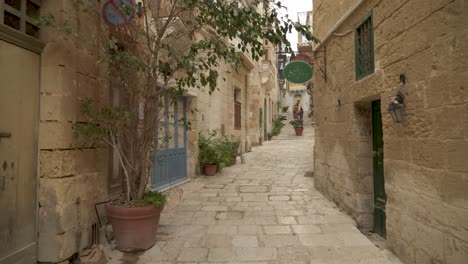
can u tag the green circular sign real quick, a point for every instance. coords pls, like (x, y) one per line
(298, 72)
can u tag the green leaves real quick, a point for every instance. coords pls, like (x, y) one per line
(98, 123)
(154, 198)
(214, 149)
(297, 123)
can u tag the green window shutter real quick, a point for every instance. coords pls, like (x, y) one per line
(364, 48)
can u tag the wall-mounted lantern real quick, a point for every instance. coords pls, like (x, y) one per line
(395, 107)
(140, 9)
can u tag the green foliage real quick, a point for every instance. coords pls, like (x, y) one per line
(209, 153)
(100, 124)
(228, 150)
(277, 126)
(297, 123)
(214, 149)
(154, 198)
(284, 109)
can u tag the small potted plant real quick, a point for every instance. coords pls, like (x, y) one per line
(270, 136)
(298, 125)
(209, 153)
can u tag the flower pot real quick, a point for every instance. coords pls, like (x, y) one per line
(295, 116)
(134, 227)
(270, 137)
(299, 131)
(210, 169)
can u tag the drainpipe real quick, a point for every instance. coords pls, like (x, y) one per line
(340, 22)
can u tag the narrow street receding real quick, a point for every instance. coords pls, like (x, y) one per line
(264, 211)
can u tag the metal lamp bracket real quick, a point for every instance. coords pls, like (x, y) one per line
(400, 97)
(320, 59)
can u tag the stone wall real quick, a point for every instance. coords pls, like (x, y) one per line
(215, 111)
(263, 87)
(71, 181)
(425, 156)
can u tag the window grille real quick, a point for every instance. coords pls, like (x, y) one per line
(364, 45)
(21, 15)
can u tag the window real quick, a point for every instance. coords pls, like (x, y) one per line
(20, 15)
(364, 45)
(237, 109)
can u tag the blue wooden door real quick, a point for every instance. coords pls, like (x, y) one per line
(170, 158)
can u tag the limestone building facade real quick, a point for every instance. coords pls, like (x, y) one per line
(408, 180)
(243, 108)
(48, 74)
(53, 186)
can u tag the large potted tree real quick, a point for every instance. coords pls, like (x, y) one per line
(155, 50)
(298, 125)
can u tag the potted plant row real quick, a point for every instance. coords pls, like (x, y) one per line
(277, 125)
(214, 150)
(270, 136)
(298, 125)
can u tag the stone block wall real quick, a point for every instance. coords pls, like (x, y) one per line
(71, 181)
(216, 110)
(425, 156)
(263, 86)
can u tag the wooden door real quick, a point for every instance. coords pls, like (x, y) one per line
(380, 197)
(19, 93)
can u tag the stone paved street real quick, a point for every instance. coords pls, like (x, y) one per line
(264, 211)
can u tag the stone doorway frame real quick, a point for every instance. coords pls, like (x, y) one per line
(363, 212)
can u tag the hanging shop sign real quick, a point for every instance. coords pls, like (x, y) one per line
(118, 13)
(298, 72)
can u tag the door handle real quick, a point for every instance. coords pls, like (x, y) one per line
(4, 134)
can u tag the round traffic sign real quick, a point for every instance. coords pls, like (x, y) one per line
(118, 12)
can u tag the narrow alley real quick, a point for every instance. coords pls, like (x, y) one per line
(264, 211)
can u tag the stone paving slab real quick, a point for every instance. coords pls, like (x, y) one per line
(265, 211)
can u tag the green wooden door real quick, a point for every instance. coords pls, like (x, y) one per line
(379, 182)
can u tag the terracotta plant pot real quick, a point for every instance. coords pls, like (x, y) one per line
(299, 131)
(295, 116)
(270, 137)
(210, 170)
(134, 228)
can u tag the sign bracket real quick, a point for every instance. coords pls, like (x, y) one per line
(320, 59)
